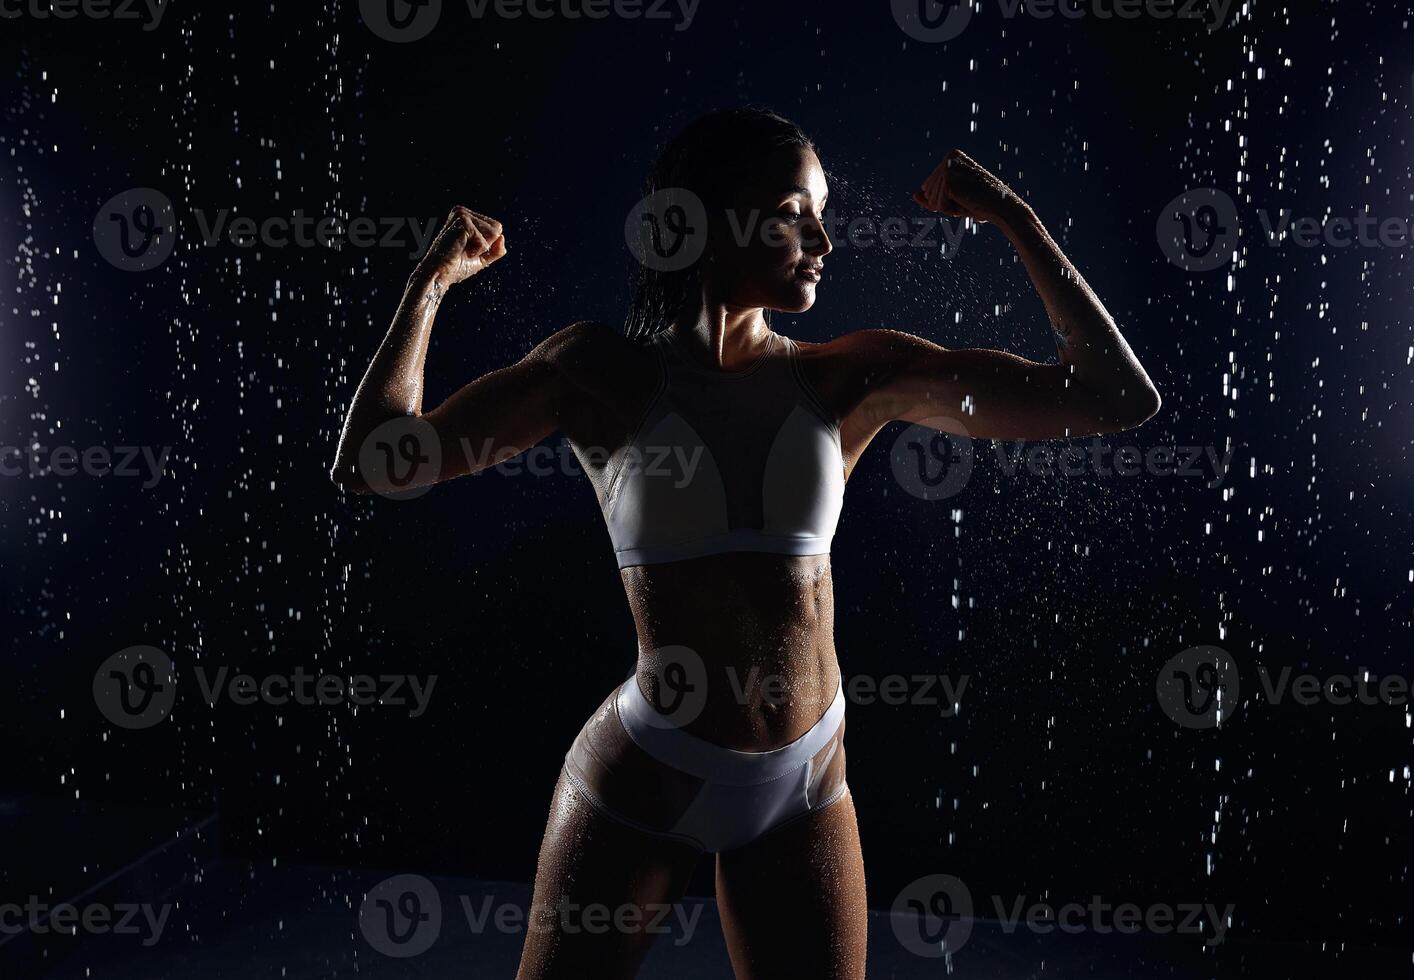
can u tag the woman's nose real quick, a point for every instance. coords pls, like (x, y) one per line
(816, 240)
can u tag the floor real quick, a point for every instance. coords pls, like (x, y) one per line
(304, 922)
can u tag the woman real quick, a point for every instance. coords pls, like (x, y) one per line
(719, 451)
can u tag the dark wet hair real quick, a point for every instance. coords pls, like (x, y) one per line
(710, 156)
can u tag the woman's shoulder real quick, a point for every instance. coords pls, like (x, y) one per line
(598, 358)
(844, 369)
(873, 343)
(590, 340)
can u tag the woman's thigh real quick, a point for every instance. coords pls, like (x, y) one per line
(793, 902)
(600, 890)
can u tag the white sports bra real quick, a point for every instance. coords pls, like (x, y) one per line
(726, 461)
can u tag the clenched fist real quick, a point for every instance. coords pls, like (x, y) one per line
(960, 187)
(467, 243)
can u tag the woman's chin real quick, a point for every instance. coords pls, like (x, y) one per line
(799, 298)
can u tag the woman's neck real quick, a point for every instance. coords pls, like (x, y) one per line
(724, 337)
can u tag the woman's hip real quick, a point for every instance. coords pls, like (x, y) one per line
(637, 765)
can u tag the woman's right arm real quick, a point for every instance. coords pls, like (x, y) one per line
(491, 419)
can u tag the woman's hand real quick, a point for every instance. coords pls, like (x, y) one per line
(960, 187)
(467, 243)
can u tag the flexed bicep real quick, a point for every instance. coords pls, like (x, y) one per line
(1097, 384)
(485, 422)
(988, 394)
(889, 376)
(498, 416)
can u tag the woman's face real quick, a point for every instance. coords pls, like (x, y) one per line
(768, 251)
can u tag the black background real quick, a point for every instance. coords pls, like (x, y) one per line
(1060, 598)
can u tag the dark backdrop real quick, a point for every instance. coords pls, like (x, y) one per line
(1059, 597)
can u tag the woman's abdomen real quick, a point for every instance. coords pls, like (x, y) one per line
(737, 649)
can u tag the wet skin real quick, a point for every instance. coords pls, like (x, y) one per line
(762, 624)
(764, 627)
(792, 902)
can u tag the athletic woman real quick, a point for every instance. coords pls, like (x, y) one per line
(719, 451)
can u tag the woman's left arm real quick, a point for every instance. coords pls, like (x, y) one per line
(1098, 385)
